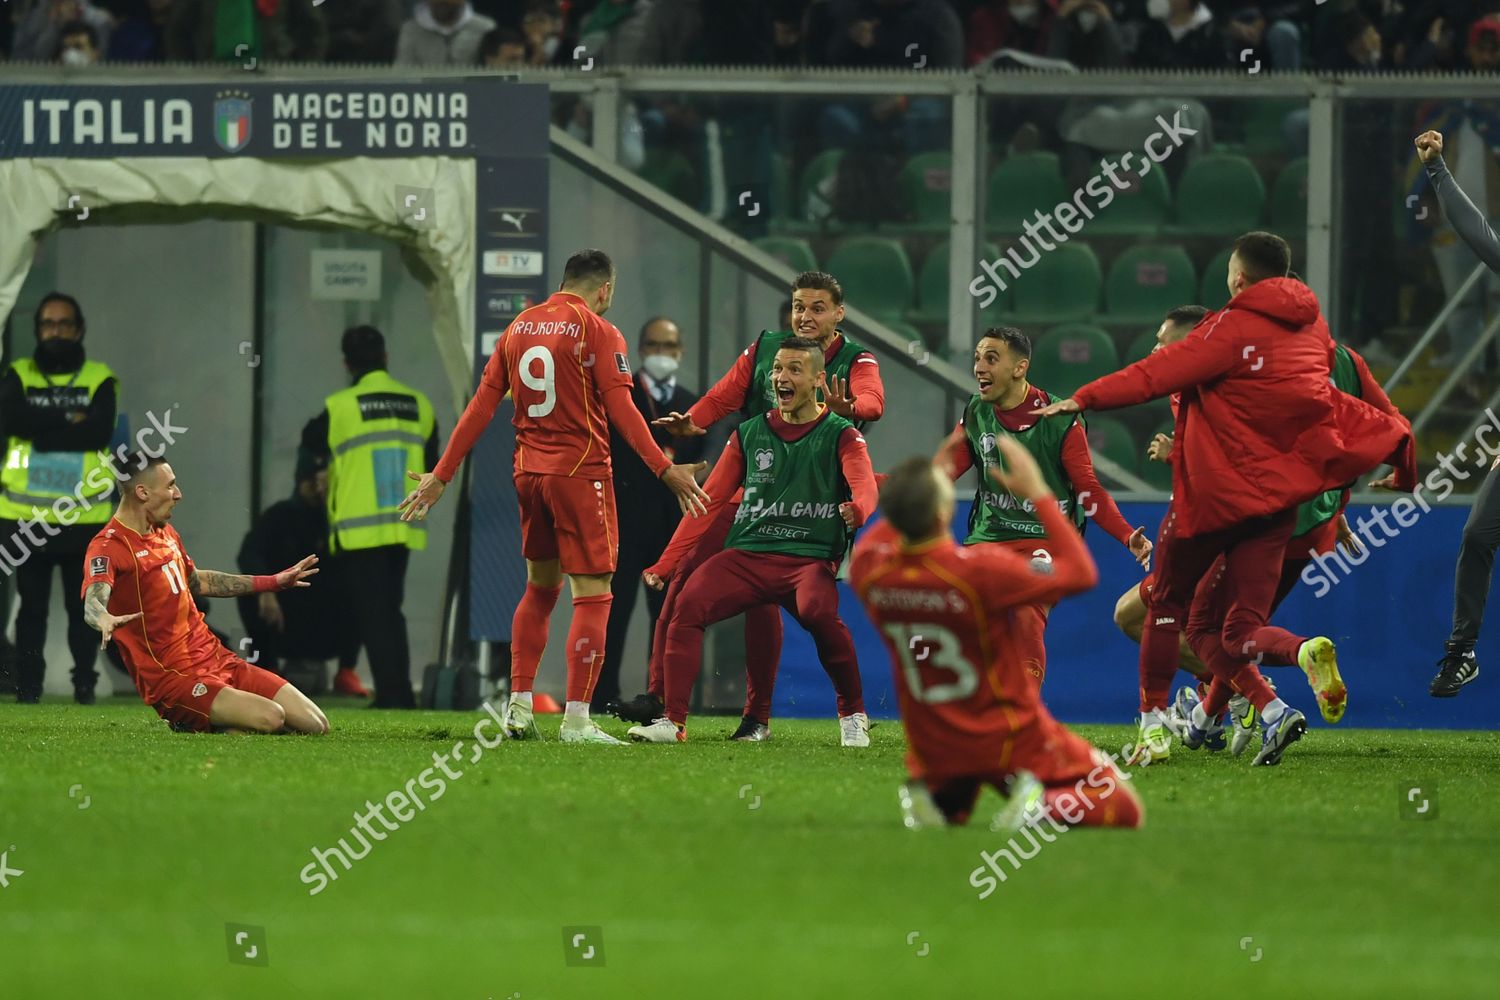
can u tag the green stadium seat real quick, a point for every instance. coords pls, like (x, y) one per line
(1213, 293)
(1060, 287)
(791, 251)
(1145, 281)
(1289, 201)
(876, 275)
(1067, 356)
(671, 171)
(932, 286)
(927, 183)
(1140, 210)
(1113, 440)
(1021, 184)
(818, 169)
(1143, 344)
(1219, 195)
(1265, 125)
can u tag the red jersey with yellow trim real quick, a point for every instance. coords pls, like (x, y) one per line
(149, 573)
(945, 613)
(558, 359)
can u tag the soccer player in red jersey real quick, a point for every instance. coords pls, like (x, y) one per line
(970, 705)
(1265, 432)
(565, 367)
(1003, 407)
(138, 589)
(854, 391)
(808, 473)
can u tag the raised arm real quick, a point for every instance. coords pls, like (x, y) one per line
(1463, 215)
(727, 395)
(210, 583)
(1198, 358)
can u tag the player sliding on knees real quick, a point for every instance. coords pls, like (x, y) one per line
(565, 367)
(854, 391)
(969, 702)
(1004, 407)
(807, 486)
(139, 589)
(1266, 432)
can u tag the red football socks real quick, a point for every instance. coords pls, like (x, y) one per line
(528, 634)
(586, 645)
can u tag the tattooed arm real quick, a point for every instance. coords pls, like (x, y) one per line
(210, 583)
(96, 612)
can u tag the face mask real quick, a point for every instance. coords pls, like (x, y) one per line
(58, 355)
(76, 57)
(549, 47)
(1023, 15)
(1158, 9)
(1088, 20)
(660, 366)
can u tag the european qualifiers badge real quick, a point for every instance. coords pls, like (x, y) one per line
(232, 117)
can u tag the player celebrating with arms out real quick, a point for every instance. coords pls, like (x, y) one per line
(1004, 407)
(970, 705)
(565, 366)
(138, 589)
(853, 391)
(807, 486)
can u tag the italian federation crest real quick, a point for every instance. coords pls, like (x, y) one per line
(232, 118)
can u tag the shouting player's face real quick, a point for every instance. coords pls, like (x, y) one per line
(814, 315)
(1170, 333)
(157, 493)
(796, 377)
(996, 369)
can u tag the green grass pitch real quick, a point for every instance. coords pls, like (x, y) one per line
(715, 869)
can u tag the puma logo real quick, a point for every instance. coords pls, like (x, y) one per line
(517, 219)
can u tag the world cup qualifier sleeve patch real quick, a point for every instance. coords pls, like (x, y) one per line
(622, 364)
(99, 566)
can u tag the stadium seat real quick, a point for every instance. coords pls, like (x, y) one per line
(1139, 211)
(1289, 201)
(1220, 194)
(932, 286)
(818, 169)
(876, 275)
(671, 171)
(1143, 344)
(1021, 184)
(1145, 281)
(1111, 439)
(926, 181)
(1067, 356)
(1061, 286)
(1214, 289)
(791, 251)
(1265, 125)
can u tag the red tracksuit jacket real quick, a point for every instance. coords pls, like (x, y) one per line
(1261, 428)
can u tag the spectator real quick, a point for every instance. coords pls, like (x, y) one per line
(296, 631)
(503, 48)
(235, 30)
(616, 32)
(1359, 46)
(546, 44)
(786, 32)
(362, 31)
(1250, 43)
(1440, 35)
(58, 410)
(894, 33)
(442, 33)
(1179, 34)
(142, 35)
(78, 44)
(372, 434)
(1085, 34)
(644, 503)
(39, 31)
(699, 32)
(1023, 25)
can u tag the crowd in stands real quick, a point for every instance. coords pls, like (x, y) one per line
(1293, 35)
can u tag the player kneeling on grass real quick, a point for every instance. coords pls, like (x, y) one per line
(139, 587)
(808, 485)
(973, 713)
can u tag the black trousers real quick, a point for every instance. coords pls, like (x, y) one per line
(63, 551)
(640, 546)
(1476, 559)
(376, 582)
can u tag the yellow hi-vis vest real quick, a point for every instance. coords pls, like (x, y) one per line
(376, 430)
(33, 482)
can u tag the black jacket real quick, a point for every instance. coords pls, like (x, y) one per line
(639, 496)
(48, 427)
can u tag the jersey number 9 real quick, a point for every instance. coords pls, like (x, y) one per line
(546, 383)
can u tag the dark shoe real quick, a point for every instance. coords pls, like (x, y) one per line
(83, 696)
(751, 731)
(643, 709)
(27, 698)
(1457, 668)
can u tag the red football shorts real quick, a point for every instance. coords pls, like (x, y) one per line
(569, 519)
(184, 699)
(1144, 588)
